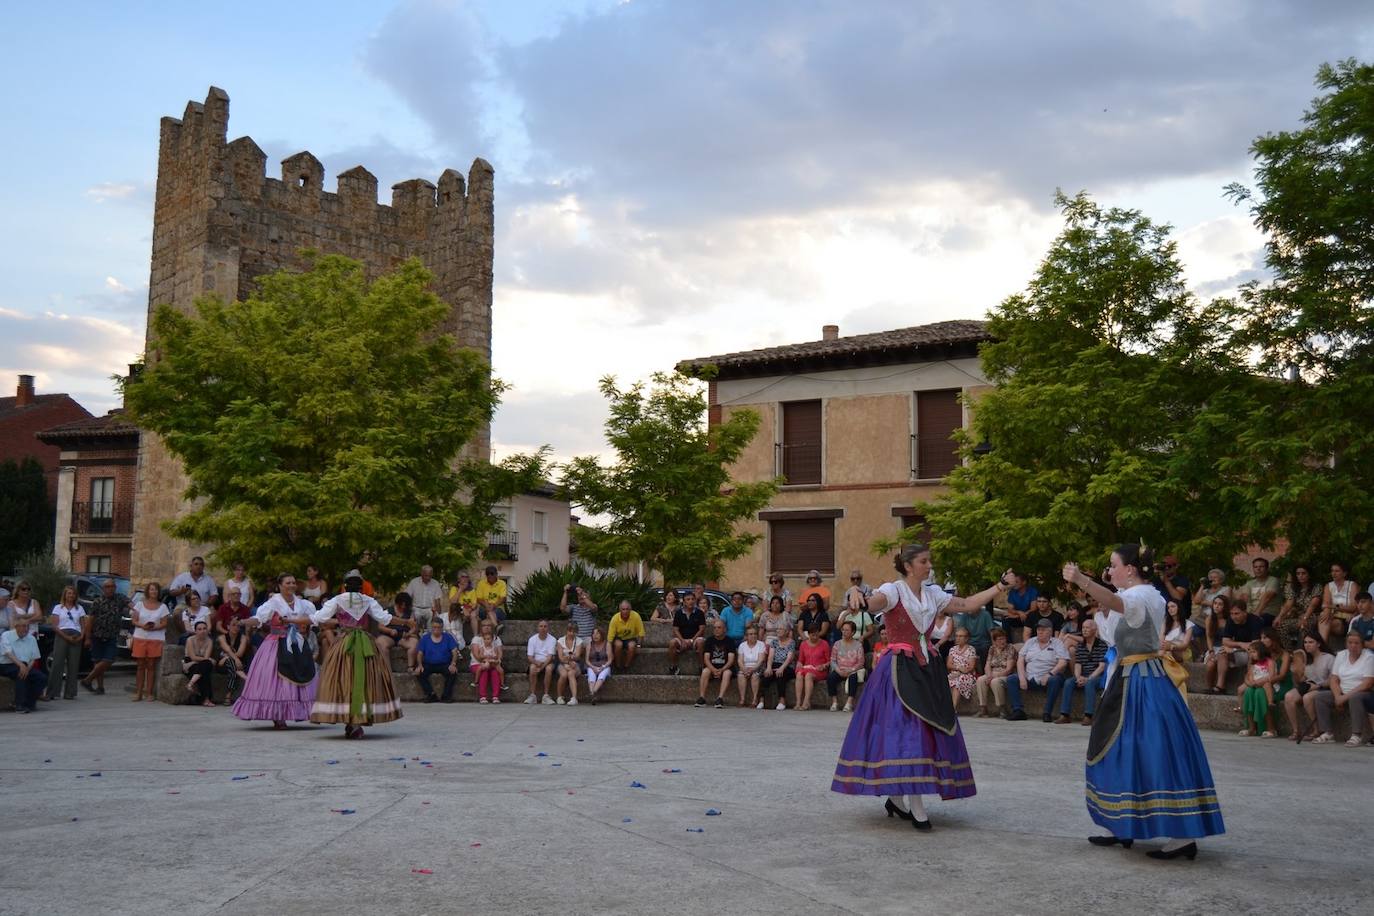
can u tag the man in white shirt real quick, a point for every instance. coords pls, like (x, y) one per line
(1038, 664)
(18, 652)
(541, 651)
(426, 595)
(197, 580)
(1352, 688)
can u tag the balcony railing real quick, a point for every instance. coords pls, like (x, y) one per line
(103, 518)
(503, 545)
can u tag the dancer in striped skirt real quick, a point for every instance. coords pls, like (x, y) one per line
(355, 686)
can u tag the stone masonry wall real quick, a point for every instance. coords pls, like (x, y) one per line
(219, 223)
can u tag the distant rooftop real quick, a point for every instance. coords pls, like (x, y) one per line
(941, 340)
(111, 426)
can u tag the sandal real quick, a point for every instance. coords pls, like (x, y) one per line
(1245, 733)
(1325, 738)
(1268, 734)
(1354, 741)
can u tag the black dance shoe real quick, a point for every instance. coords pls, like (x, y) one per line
(920, 825)
(1110, 841)
(1190, 851)
(893, 809)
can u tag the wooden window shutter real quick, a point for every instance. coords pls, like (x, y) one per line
(800, 545)
(938, 415)
(801, 442)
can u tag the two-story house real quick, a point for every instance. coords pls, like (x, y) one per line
(859, 429)
(96, 473)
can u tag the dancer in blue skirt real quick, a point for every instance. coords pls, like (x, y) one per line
(1147, 772)
(904, 740)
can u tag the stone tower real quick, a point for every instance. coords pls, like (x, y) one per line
(219, 223)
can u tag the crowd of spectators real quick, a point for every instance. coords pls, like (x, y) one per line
(776, 647)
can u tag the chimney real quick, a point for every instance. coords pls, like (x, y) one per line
(23, 395)
(830, 332)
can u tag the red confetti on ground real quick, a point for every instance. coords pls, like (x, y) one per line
(474, 845)
(424, 803)
(571, 792)
(421, 871)
(171, 792)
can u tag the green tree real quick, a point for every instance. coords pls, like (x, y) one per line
(1114, 398)
(668, 499)
(1305, 465)
(321, 421)
(28, 526)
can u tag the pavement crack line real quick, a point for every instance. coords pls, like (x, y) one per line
(356, 825)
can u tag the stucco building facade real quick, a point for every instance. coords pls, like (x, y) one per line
(859, 429)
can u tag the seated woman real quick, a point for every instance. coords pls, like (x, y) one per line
(879, 645)
(198, 665)
(774, 620)
(234, 647)
(191, 614)
(813, 663)
(781, 668)
(961, 667)
(486, 664)
(813, 616)
(750, 657)
(846, 667)
(1001, 664)
(402, 633)
(1071, 633)
(1179, 633)
(665, 609)
(598, 663)
(942, 633)
(571, 651)
(1311, 672)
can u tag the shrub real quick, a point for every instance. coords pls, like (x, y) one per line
(542, 590)
(46, 574)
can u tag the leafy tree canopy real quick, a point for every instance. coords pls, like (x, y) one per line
(668, 497)
(28, 525)
(1113, 399)
(322, 421)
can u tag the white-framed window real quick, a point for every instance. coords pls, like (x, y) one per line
(539, 527)
(99, 565)
(102, 497)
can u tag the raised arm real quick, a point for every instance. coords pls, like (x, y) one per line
(1103, 595)
(960, 605)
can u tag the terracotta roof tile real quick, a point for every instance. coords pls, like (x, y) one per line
(884, 347)
(111, 425)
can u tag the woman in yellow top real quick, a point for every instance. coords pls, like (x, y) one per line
(625, 633)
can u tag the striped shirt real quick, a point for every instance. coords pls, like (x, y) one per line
(1088, 659)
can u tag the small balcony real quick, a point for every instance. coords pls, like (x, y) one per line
(102, 518)
(503, 545)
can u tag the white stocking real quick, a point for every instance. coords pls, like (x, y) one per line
(916, 807)
(1175, 844)
(898, 800)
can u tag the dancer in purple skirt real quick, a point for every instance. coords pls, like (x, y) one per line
(904, 740)
(282, 679)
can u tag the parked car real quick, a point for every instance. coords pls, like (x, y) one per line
(718, 600)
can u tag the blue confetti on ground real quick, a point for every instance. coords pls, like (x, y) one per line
(625, 820)
(395, 758)
(96, 774)
(555, 764)
(330, 763)
(541, 754)
(237, 778)
(638, 785)
(696, 829)
(467, 753)
(712, 812)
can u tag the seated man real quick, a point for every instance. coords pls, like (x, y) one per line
(439, 652)
(717, 663)
(1363, 622)
(1037, 665)
(18, 652)
(1089, 674)
(688, 625)
(624, 634)
(1236, 636)
(542, 652)
(737, 617)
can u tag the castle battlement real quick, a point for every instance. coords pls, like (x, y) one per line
(219, 223)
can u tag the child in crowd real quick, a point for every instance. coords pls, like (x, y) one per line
(1257, 694)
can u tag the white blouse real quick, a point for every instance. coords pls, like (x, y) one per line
(355, 603)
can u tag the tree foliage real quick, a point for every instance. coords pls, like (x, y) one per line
(1114, 401)
(321, 421)
(1305, 466)
(669, 498)
(28, 525)
(46, 575)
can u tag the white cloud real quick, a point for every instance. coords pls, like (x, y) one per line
(113, 284)
(111, 190)
(76, 354)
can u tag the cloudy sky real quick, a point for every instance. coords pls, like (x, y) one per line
(674, 179)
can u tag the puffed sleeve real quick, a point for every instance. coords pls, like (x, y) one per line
(377, 612)
(326, 611)
(1135, 604)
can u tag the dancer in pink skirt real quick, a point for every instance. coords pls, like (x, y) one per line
(282, 679)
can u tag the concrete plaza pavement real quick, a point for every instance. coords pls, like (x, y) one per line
(492, 826)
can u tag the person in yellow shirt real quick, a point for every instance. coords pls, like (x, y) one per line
(625, 632)
(464, 597)
(489, 596)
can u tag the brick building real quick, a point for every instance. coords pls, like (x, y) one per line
(96, 485)
(26, 414)
(219, 223)
(859, 428)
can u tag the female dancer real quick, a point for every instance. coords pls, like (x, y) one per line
(282, 679)
(356, 687)
(904, 739)
(1147, 773)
